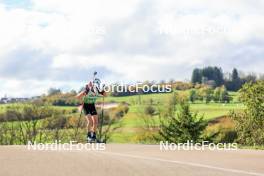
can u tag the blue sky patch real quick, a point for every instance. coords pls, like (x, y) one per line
(26, 4)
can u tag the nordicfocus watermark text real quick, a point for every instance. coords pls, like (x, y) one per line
(72, 146)
(138, 87)
(190, 145)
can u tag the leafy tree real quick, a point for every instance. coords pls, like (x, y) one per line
(249, 123)
(217, 93)
(206, 93)
(192, 95)
(252, 95)
(224, 96)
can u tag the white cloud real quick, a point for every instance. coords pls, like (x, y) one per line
(122, 39)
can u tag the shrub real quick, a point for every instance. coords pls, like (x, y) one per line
(149, 110)
(75, 110)
(147, 137)
(119, 111)
(58, 122)
(220, 135)
(73, 122)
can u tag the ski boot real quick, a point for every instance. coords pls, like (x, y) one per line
(89, 138)
(93, 136)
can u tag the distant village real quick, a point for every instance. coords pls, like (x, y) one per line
(6, 100)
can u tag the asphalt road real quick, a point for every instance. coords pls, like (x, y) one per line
(129, 160)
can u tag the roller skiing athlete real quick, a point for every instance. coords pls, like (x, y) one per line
(89, 97)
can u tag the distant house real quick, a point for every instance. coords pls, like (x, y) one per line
(6, 100)
(36, 97)
(21, 99)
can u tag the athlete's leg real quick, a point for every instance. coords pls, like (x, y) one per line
(89, 123)
(89, 128)
(95, 123)
(94, 127)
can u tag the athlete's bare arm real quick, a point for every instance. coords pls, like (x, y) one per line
(80, 95)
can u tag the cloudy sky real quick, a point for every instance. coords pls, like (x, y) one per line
(59, 43)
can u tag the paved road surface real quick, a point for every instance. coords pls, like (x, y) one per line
(129, 160)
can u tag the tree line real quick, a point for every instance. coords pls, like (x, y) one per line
(208, 83)
(215, 77)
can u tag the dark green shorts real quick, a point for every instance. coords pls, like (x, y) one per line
(89, 109)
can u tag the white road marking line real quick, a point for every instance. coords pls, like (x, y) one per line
(185, 163)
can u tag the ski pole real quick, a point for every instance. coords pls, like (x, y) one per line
(102, 117)
(78, 124)
(94, 74)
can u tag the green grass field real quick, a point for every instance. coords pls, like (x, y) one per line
(133, 121)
